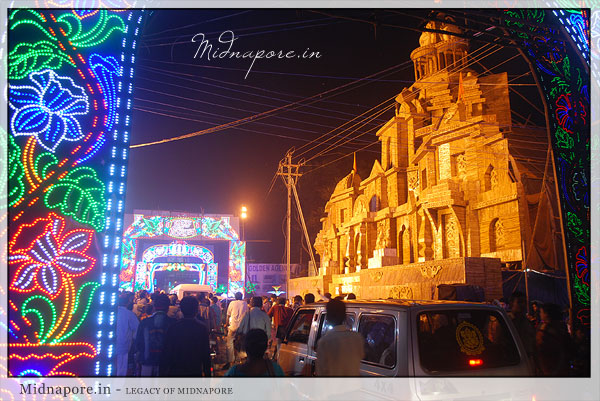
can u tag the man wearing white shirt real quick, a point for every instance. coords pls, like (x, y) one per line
(340, 350)
(256, 318)
(235, 313)
(127, 325)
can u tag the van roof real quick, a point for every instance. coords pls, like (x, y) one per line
(406, 303)
(192, 287)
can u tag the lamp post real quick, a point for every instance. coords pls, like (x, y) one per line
(243, 215)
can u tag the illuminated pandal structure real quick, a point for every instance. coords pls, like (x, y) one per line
(70, 75)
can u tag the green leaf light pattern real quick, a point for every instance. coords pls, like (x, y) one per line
(81, 307)
(30, 57)
(81, 37)
(16, 186)
(43, 162)
(22, 16)
(80, 194)
(250, 287)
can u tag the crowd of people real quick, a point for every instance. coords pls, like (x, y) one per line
(160, 335)
(554, 348)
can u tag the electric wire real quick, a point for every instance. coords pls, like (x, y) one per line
(365, 147)
(164, 113)
(306, 121)
(312, 99)
(418, 91)
(459, 66)
(146, 36)
(250, 94)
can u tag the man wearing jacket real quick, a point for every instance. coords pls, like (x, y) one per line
(150, 337)
(281, 315)
(187, 351)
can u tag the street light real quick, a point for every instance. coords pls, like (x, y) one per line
(244, 215)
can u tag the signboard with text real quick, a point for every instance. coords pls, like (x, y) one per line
(270, 278)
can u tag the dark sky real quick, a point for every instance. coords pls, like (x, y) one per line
(176, 94)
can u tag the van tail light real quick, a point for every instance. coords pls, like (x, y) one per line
(475, 362)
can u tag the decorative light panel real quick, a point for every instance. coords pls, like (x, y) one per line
(68, 71)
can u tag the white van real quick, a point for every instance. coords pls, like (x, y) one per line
(183, 290)
(406, 338)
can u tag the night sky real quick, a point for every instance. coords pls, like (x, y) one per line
(219, 172)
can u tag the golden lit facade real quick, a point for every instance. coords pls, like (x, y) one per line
(446, 203)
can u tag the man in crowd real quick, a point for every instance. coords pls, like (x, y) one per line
(553, 344)
(266, 304)
(256, 365)
(281, 315)
(235, 313)
(309, 299)
(203, 311)
(297, 302)
(518, 304)
(340, 350)
(150, 337)
(187, 352)
(256, 318)
(215, 313)
(174, 311)
(324, 297)
(141, 303)
(127, 325)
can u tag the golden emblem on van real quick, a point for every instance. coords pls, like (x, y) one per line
(469, 339)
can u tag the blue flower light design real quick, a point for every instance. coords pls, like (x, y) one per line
(48, 109)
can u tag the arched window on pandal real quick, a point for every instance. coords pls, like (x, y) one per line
(496, 235)
(405, 252)
(373, 204)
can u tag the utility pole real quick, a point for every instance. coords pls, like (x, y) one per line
(289, 177)
(289, 224)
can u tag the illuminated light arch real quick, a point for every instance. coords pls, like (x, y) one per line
(207, 227)
(68, 153)
(561, 56)
(177, 249)
(145, 270)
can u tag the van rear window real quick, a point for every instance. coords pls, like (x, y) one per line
(464, 340)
